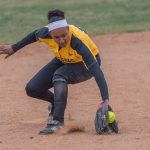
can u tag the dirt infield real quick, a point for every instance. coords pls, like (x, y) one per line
(126, 65)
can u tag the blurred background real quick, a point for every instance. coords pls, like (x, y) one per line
(19, 17)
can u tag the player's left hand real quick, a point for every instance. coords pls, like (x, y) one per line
(6, 49)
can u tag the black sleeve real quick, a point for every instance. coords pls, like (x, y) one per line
(92, 65)
(31, 38)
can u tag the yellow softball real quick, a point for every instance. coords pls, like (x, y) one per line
(111, 116)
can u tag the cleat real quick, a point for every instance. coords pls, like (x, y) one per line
(52, 127)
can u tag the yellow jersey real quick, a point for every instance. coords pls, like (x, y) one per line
(69, 53)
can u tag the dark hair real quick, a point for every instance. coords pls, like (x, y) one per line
(55, 15)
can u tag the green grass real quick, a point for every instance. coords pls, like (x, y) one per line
(19, 17)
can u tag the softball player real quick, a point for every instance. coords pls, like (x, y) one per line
(76, 60)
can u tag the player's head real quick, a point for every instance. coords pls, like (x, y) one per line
(58, 27)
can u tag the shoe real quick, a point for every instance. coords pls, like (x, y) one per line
(52, 127)
(50, 109)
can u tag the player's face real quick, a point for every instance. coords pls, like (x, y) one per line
(61, 36)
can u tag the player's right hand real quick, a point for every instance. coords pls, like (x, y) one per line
(6, 49)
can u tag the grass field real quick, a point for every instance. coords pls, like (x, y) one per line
(18, 17)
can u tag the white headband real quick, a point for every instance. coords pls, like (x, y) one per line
(57, 24)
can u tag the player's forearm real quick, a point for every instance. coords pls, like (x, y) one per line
(100, 79)
(30, 38)
(96, 71)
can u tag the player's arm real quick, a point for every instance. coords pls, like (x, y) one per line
(30, 38)
(92, 66)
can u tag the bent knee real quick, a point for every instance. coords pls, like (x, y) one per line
(32, 90)
(59, 77)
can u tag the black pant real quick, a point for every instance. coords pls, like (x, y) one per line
(58, 75)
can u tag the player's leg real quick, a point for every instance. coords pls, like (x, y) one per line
(38, 86)
(67, 74)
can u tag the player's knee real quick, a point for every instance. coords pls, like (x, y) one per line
(31, 90)
(58, 78)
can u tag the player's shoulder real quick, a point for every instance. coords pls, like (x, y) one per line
(43, 33)
(77, 30)
(77, 36)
